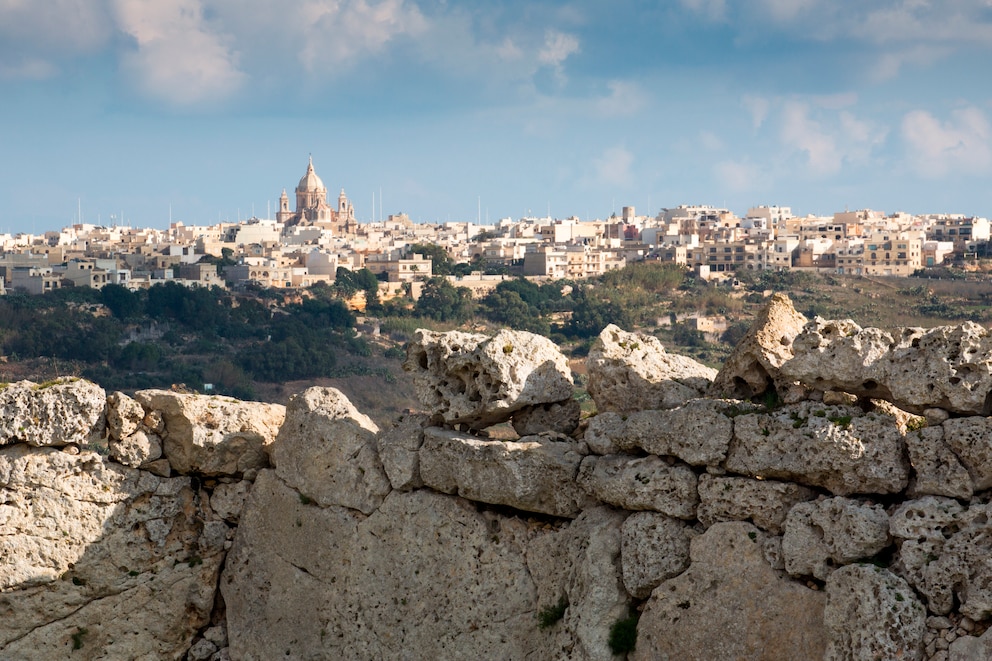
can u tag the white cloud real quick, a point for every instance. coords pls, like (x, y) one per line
(337, 32)
(558, 46)
(612, 167)
(625, 98)
(828, 139)
(963, 144)
(178, 57)
(799, 131)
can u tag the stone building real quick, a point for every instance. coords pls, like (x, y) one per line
(312, 207)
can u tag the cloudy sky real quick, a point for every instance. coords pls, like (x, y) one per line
(211, 107)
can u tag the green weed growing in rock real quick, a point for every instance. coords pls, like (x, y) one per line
(549, 615)
(623, 635)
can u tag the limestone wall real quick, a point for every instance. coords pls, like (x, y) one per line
(836, 513)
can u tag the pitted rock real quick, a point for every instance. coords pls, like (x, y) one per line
(948, 367)
(971, 440)
(558, 417)
(124, 560)
(61, 412)
(534, 474)
(872, 614)
(763, 502)
(838, 448)
(136, 449)
(698, 433)
(124, 416)
(211, 435)
(476, 380)
(633, 372)
(825, 534)
(938, 470)
(653, 548)
(753, 366)
(641, 483)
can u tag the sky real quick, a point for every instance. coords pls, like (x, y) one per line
(137, 111)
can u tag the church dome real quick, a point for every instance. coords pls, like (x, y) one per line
(310, 181)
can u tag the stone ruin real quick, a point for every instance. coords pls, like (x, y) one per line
(825, 495)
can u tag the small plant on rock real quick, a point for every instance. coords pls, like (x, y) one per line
(549, 615)
(623, 635)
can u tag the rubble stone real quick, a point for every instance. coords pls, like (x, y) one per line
(641, 483)
(763, 502)
(825, 534)
(478, 381)
(61, 412)
(633, 372)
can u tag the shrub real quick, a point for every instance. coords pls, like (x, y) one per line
(549, 615)
(623, 635)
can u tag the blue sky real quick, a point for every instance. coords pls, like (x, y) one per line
(126, 107)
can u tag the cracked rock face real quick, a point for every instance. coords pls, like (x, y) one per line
(947, 367)
(633, 372)
(61, 412)
(327, 451)
(731, 604)
(478, 381)
(753, 367)
(100, 560)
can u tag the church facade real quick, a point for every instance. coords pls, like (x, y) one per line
(312, 207)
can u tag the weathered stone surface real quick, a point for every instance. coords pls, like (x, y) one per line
(56, 413)
(117, 559)
(136, 448)
(560, 417)
(534, 474)
(228, 499)
(653, 548)
(948, 367)
(872, 614)
(971, 648)
(763, 502)
(642, 483)
(212, 435)
(399, 451)
(698, 433)
(958, 571)
(839, 448)
(472, 379)
(580, 563)
(445, 581)
(605, 433)
(124, 416)
(730, 604)
(633, 372)
(753, 366)
(938, 471)
(326, 450)
(922, 526)
(825, 534)
(971, 440)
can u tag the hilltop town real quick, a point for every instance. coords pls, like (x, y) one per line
(305, 246)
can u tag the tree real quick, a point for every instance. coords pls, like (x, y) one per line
(505, 306)
(122, 302)
(590, 315)
(442, 301)
(442, 263)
